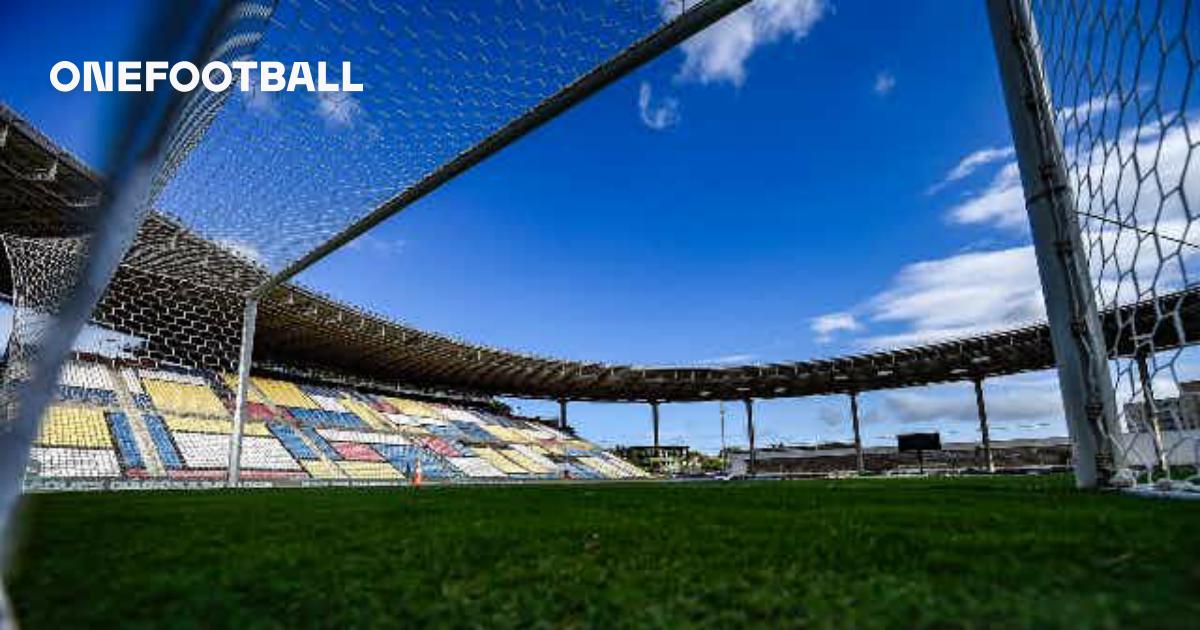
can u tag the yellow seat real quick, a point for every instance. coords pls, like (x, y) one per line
(252, 393)
(524, 461)
(321, 469)
(504, 464)
(70, 425)
(284, 393)
(413, 407)
(209, 425)
(179, 398)
(370, 470)
(366, 414)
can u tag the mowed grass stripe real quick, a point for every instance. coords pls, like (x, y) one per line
(868, 553)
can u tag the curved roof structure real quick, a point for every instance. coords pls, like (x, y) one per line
(44, 191)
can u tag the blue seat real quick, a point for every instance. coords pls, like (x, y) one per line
(73, 393)
(168, 454)
(291, 440)
(406, 456)
(322, 445)
(474, 433)
(127, 446)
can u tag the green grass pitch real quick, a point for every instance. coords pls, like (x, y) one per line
(1007, 552)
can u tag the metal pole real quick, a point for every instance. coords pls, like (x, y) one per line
(654, 420)
(1075, 330)
(562, 413)
(1151, 411)
(752, 467)
(858, 452)
(724, 453)
(981, 407)
(239, 412)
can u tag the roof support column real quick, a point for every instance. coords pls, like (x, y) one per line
(1150, 413)
(981, 408)
(752, 467)
(249, 318)
(858, 452)
(562, 413)
(654, 421)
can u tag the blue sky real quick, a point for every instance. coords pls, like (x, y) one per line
(805, 179)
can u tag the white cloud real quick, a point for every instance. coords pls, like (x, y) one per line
(243, 249)
(971, 163)
(828, 325)
(959, 296)
(983, 291)
(719, 53)
(1038, 402)
(338, 109)
(258, 101)
(729, 359)
(884, 83)
(657, 115)
(1081, 112)
(1001, 204)
(1133, 262)
(371, 244)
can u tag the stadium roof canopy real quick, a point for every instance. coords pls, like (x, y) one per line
(46, 192)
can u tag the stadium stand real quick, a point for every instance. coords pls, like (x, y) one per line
(126, 422)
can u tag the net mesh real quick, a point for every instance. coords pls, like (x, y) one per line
(247, 183)
(1123, 79)
(439, 77)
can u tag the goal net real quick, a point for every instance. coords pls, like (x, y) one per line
(1122, 85)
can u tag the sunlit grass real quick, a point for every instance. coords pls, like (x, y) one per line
(1008, 552)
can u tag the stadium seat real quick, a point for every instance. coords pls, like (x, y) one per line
(208, 450)
(368, 437)
(329, 403)
(405, 458)
(369, 416)
(476, 467)
(101, 397)
(291, 440)
(446, 431)
(208, 425)
(534, 458)
(321, 469)
(263, 412)
(143, 401)
(72, 425)
(474, 434)
(578, 471)
(502, 463)
(71, 463)
(356, 452)
(413, 407)
(131, 380)
(318, 441)
(163, 443)
(85, 376)
(252, 393)
(323, 418)
(602, 467)
(628, 470)
(323, 432)
(283, 393)
(370, 470)
(184, 398)
(441, 446)
(131, 455)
